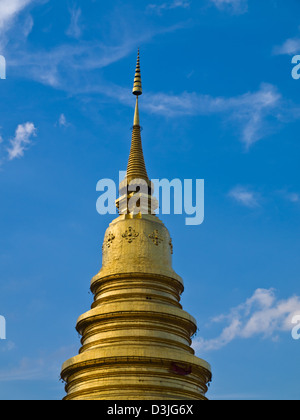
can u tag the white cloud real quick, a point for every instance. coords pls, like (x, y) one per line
(62, 121)
(159, 8)
(21, 141)
(28, 25)
(45, 366)
(66, 66)
(289, 47)
(245, 197)
(254, 112)
(7, 345)
(236, 6)
(9, 9)
(262, 314)
(293, 197)
(75, 30)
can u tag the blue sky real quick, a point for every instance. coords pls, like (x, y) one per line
(219, 104)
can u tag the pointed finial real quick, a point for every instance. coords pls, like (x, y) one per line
(137, 87)
(136, 168)
(136, 120)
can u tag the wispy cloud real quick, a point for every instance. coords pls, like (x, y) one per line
(248, 197)
(245, 197)
(21, 141)
(293, 197)
(289, 47)
(9, 9)
(175, 4)
(66, 63)
(7, 345)
(290, 196)
(255, 113)
(75, 68)
(75, 29)
(235, 6)
(66, 66)
(44, 366)
(263, 314)
(62, 121)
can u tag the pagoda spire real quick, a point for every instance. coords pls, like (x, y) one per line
(136, 168)
(136, 337)
(136, 175)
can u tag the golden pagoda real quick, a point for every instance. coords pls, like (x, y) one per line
(136, 339)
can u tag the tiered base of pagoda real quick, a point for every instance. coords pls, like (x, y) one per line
(145, 374)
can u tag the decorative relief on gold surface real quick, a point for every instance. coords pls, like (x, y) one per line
(156, 238)
(109, 239)
(171, 245)
(130, 234)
